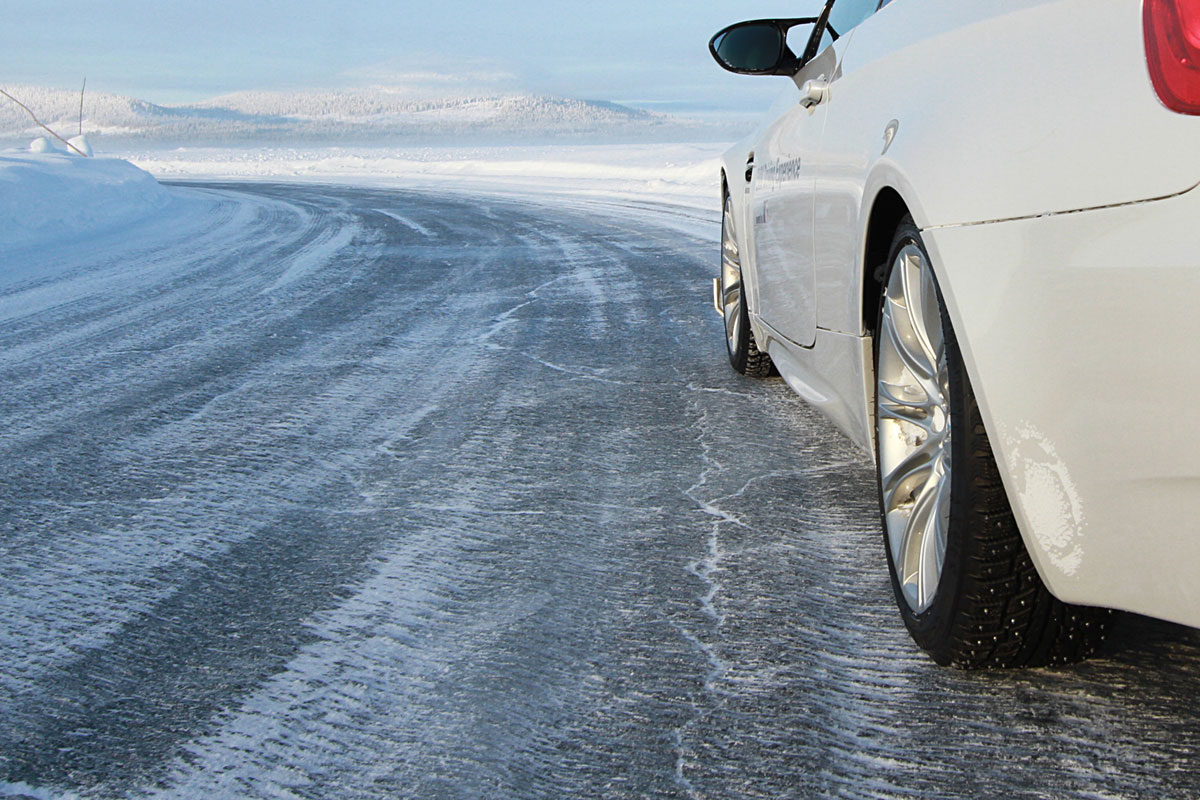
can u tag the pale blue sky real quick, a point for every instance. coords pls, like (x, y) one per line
(181, 50)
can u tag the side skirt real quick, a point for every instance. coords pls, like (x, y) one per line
(836, 376)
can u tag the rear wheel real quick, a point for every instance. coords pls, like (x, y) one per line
(744, 355)
(966, 586)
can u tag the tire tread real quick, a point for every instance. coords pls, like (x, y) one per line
(758, 363)
(744, 355)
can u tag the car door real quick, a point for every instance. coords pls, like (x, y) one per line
(783, 187)
(858, 130)
(781, 213)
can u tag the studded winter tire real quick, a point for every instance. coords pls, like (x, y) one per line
(744, 355)
(964, 582)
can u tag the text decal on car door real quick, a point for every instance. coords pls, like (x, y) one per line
(778, 173)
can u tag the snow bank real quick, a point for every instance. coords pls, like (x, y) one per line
(48, 197)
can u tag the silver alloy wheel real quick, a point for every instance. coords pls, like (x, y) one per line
(913, 426)
(731, 280)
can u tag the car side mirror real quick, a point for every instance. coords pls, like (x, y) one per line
(757, 47)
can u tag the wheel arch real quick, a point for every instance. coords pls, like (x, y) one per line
(888, 209)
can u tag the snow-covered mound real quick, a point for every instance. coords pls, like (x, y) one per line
(353, 115)
(54, 197)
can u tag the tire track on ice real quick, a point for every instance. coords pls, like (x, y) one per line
(385, 533)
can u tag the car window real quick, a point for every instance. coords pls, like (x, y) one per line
(848, 13)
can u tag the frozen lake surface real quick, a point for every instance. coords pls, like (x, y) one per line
(332, 492)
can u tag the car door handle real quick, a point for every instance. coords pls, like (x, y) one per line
(814, 92)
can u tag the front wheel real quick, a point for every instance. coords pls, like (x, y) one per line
(965, 584)
(744, 355)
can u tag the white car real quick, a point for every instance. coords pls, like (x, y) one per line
(969, 232)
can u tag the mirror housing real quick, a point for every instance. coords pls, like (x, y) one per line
(758, 47)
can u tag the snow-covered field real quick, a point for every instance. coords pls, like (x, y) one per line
(56, 197)
(372, 137)
(680, 173)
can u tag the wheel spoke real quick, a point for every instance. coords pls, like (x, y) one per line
(913, 426)
(917, 413)
(917, 570)
(906, 565)
(931, 316)
(733, 322)
(911, 354)
(915, 464)
(891, 397)
(731, 280)
(918, 296)
(731, 283)
(933, 544)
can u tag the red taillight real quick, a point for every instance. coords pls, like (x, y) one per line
(1172, 29)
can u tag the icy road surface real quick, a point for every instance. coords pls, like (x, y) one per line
(345, 493)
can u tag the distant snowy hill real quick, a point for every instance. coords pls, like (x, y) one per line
(357, 115)
(105, 114)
